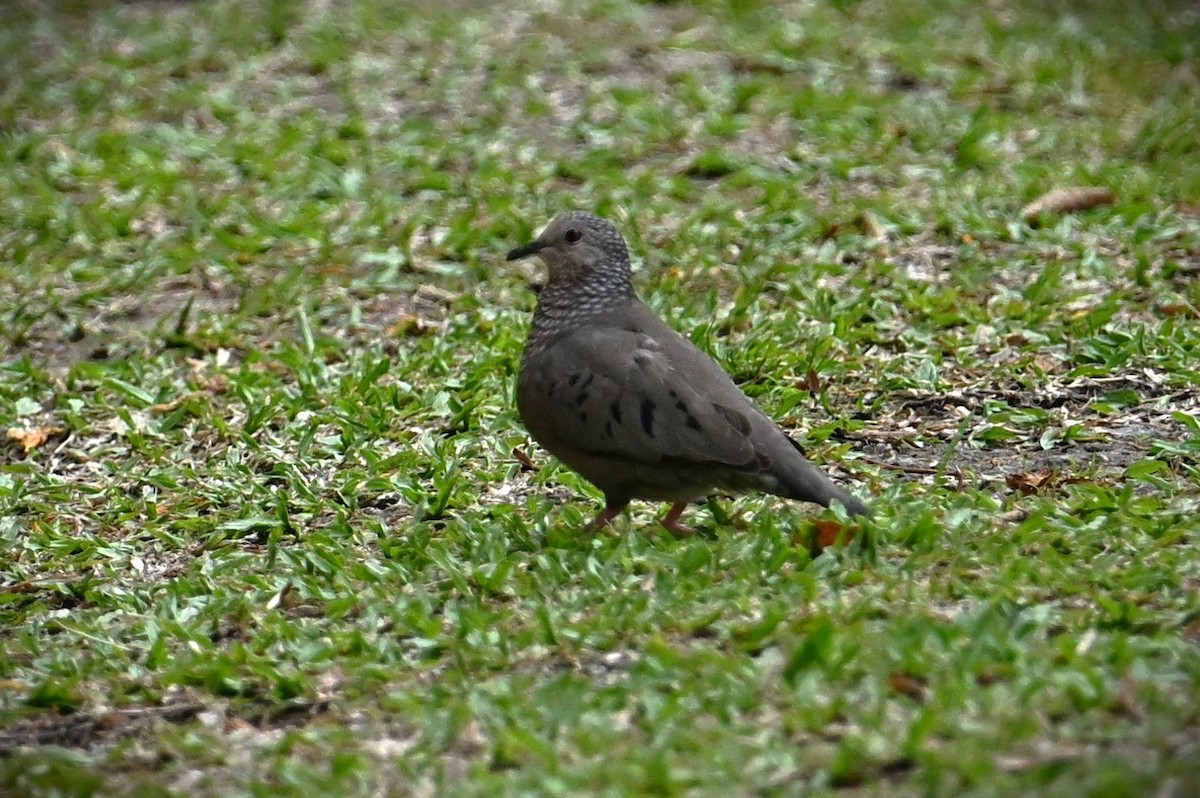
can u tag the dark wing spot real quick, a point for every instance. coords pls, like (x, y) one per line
(648, 417)
(588, 381)
(681, 406)
(735, 419)
(608, 428)
(551, 388)
(583, 416)
(693, 423)
(616, 412)
(581, 398)
(672, 394)
(574, 378)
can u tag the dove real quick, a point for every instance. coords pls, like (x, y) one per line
(620, 397)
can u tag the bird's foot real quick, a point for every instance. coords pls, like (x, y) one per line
(603, 519)
(670, 521)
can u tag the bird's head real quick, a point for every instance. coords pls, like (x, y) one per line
(580, 248)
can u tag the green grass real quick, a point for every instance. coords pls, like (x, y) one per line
(251, 267)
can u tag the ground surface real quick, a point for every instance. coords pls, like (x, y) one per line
(264, 530)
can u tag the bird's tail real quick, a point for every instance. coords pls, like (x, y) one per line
(800, 479)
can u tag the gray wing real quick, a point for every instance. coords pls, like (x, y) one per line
(615, 393)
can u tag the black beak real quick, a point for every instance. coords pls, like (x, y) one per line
(525, 250)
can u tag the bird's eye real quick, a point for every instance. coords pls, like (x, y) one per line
(573, 235)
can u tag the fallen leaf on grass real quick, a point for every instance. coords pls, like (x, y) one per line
(107, 721)
(871, 227)
(1177, 309)
(216, 384)
(906, 684)
(987, 677)
(1030, 483)
(33, 437)
(167, 407)
(234, 725)
(29, 586)
(829, 532)
(1046, 362)
(523, 459)
(1036, 481)
(1067, 200)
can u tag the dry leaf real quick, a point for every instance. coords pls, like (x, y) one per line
(1187, 209)
(831, 231)
(1177, 309)
(1014, 516)
(30, 439)
(523, 459)
(906, 684)
(216, 384)
(1031, 482)
(107, 721)
(871, 227)
(812, 382)
(829, 532)
(1047, 362)
(167, 407)
(234, 725)
(28, 586)
(1067, 200)
(988, 677)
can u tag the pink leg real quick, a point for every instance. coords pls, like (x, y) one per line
(670, 521)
